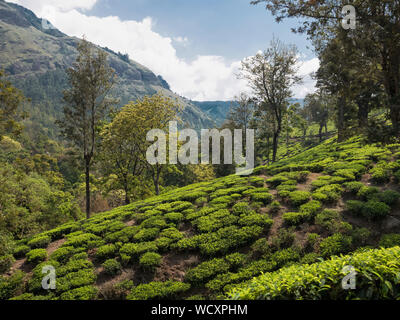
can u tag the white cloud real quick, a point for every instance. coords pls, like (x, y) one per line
(305, 69)
(38, 6)
(203, 78)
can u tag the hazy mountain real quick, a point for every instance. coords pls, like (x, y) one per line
(216, 110)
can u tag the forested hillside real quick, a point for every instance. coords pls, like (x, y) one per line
(36, 60)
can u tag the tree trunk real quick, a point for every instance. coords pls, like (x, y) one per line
(127, 200)
(87, 174)
(395, 117)
(275, 145)
(363, 116)
(126, 189)
(321, 127)
(156, 180)
(340, 120)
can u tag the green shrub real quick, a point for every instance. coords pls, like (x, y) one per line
(349, 174)
(125, 235)
(274, 207)
(6, 262)
(201, 201)
(72, 280)
(276, 181)
(82, 293)
(236, 260)
(241, 208)
(257, 181)
(105, 252)
(150, 261)
(111, 267)
(9, 286)
(330, 193)
(174, 217)
(133, 250)
(353, 186)
(360, 236)
(214, 221)
(158, 290)
(310, 258)
(285, 256)
(390, 197)
(294, 218)
(312, 241)
(206, 270)
(298, 198)
(21, 251)
(311, 208)
(390, 240)
(335, 245)
(380, 174)
(376, 279)
(172, 233)
(36, 256)
(146, 234)
(73, 266)
(39, 242)
(256, 219)
(283, 239)
(328, 219)
(375, 210)
(261, 247)
(368, 193)
(64, 253)
(84, 240)
(265, 198)
(285, 190)
(354, 207)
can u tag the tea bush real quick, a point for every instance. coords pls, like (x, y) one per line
(36, 256)
(82, 293)
(158, 290)
(39, 242)
(377, 272)
(105, 252)
(335, 244)
(298, 198)
(390, 240)
(150, 261)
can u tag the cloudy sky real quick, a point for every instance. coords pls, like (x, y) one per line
(196, 45)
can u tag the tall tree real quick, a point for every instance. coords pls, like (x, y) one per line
(317, 105)
(11, 100)
(124, 143)
(378, 27)
(271, 75)
(241, 113)
(87, 104)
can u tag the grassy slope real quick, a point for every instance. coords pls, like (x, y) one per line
(210, 239)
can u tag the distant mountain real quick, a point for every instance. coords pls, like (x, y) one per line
(216, 110)
(219, 110)
(36, 57)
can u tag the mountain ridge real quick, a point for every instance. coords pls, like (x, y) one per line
(35, 58)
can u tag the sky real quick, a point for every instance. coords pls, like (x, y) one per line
(196, 45)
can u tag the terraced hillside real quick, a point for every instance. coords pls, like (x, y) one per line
(288, 221)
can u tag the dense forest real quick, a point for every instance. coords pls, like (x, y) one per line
(77, 191)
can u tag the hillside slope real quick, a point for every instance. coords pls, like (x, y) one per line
(209, 240)
(36, 60)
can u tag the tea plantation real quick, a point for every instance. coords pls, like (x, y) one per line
(285, 232)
